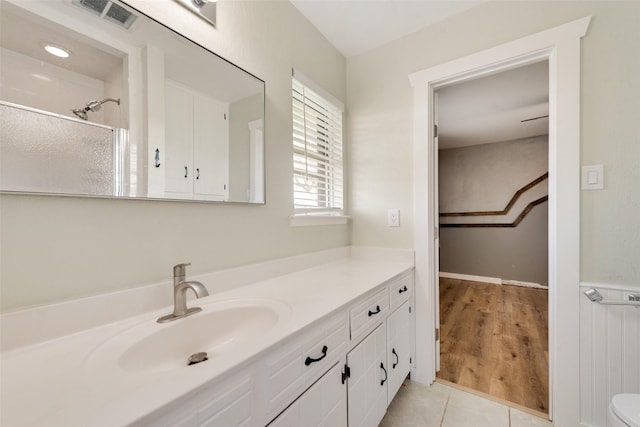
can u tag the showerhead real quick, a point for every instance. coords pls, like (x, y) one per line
(92, 106)
(80, 113)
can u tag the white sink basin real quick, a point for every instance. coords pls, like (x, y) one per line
(217, 330)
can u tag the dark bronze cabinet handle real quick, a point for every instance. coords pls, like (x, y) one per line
(404, 289)
(371, 313)
(310, 360)
(186, 171)
(397, 358)
(385, 374)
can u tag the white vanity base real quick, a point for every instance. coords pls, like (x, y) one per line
(53, 373)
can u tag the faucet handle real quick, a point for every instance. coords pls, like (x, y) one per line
(180, 270)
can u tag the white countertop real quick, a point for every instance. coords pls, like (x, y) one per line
(74, 380)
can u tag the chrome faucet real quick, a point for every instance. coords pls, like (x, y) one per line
(180, 288)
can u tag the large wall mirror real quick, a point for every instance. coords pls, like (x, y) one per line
(97, 99)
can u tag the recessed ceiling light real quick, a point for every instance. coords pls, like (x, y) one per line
(57, 51)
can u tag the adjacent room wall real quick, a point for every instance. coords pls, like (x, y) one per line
(484, 178)
(380, 102)
(55, 248)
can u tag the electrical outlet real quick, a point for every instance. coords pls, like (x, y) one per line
(393, 218)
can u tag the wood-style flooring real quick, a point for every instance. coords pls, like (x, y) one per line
(494, 339)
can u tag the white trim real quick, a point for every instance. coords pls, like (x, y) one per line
(317, 89)
(312, 220)
(472, 278)
(561, 47)
(256, 161)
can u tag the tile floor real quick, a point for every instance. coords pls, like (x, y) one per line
(438, 405)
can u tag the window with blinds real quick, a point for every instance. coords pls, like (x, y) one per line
(317, 153)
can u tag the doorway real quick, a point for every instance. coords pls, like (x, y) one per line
(492, 163)
(561, 47)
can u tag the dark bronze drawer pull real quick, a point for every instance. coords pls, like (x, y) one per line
(310, 360)
(371, 313)
(404, 289)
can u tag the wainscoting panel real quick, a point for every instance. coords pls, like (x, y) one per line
(609, 351)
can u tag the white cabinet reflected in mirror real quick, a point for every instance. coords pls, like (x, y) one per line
(124, 107)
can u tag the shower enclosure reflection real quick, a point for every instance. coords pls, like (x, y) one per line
(131, 109)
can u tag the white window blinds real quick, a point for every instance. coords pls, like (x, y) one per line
(317, 152)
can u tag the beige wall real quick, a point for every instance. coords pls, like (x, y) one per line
(56, 248)
(380, 105)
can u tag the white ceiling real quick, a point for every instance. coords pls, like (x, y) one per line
(356, 26)
(491, 109)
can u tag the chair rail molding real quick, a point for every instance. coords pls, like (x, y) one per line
(507, 208)
(497, 214)
(561, 47)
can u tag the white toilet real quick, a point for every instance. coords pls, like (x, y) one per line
(624, 410)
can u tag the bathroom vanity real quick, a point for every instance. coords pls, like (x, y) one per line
(297, 344)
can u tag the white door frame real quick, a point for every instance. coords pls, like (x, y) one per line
(561, 47)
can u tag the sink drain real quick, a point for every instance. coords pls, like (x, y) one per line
(198, 357)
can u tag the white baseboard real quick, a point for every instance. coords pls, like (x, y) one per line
(524, 284)
(493, 280)
(471, 278)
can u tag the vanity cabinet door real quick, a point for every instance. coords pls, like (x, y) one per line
(367, 384)
(196, 145)
(398, 348)
(324, 404)
(178, 136)
(210, 148)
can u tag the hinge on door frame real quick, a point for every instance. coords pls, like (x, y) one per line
(437, 334)
(346, 373)
(409, 309)
(435, 131)
(225, 116)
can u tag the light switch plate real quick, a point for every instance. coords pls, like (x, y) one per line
(393, 218)
(593, 177)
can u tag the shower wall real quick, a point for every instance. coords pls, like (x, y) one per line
(37, 84)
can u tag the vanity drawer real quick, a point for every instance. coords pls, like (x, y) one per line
(289, 370)
(400, 289)
(228, 402)
(370, 312)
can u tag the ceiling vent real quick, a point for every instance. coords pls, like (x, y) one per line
(108, 10)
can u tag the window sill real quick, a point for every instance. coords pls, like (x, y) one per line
(313, 220)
